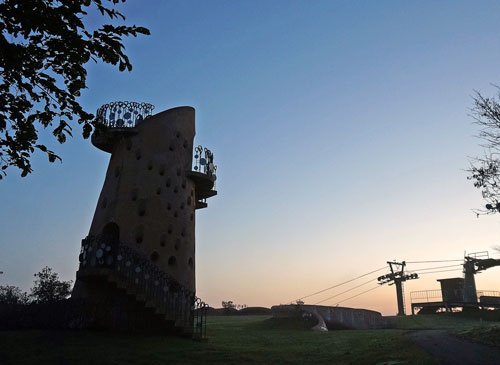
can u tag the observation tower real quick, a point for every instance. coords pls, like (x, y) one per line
(137, 264)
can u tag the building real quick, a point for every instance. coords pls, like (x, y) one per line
(137, 263)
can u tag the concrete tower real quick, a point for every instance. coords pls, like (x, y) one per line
(141, 245)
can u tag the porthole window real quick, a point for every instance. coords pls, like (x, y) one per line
(190, 262)
(150, 166)
(168, 183)
(133, 194)
(163, 240)
(128, 145)
(139, 235)
(141, 209)
(172, 260)
(158, 191)
(138, 154)
(155, 256)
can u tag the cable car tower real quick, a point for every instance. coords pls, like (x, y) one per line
(397, 277)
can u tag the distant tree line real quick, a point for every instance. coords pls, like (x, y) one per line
(47, 288)
(231, 305)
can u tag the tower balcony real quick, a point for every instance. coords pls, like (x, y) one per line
(117, 119)
(203, 175)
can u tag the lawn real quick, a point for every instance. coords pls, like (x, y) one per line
(231, 340)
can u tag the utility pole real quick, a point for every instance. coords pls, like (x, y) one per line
(397, 277)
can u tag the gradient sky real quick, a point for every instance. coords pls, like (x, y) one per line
(341, 131)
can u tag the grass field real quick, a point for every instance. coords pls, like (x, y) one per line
(240, 340)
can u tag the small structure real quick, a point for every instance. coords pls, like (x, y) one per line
(332, 317)
(450, 297)
(138, 260)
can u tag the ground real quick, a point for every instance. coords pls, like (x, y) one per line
(235, 340)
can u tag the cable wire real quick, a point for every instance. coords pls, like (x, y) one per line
(346, 291)
(434, 268)
(335, 286)
(357, 295)
(433, 272)
(425, 262)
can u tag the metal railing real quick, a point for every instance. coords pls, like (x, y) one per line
(426, 296)
(143, 278)
(488, 293)
(204, 162)
(123, 114)
(199, 319)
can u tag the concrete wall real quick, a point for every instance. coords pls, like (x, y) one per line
(334, 317)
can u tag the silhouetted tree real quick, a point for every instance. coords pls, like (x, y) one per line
(48, 288)
(485, 171)
(228, 305)
(12, 295)
(45, 46)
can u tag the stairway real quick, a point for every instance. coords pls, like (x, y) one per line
(123, 272)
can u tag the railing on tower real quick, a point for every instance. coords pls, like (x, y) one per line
(123, 114)
(137, 272)
(204, 162)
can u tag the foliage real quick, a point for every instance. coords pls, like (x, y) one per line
(12, 295)
(485, 171)
(48, 288)
(228, 305)
(45, 46)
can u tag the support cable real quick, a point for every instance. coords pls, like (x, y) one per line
(433, 268)
(335, 286)
(433, 272)
(357, 295)
(425, 262)
(346, 291)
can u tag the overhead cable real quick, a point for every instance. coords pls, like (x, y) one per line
(357, 295)
(346, 291)
(345, 282)
(433, 272)
(434, 268)
(425, 262)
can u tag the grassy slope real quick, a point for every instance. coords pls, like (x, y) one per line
(232, 340)
(481, 327)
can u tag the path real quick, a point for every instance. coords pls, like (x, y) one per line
(452, 350)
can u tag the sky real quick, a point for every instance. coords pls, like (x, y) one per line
(341, 131)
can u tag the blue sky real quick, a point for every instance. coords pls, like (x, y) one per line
(341, 130)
